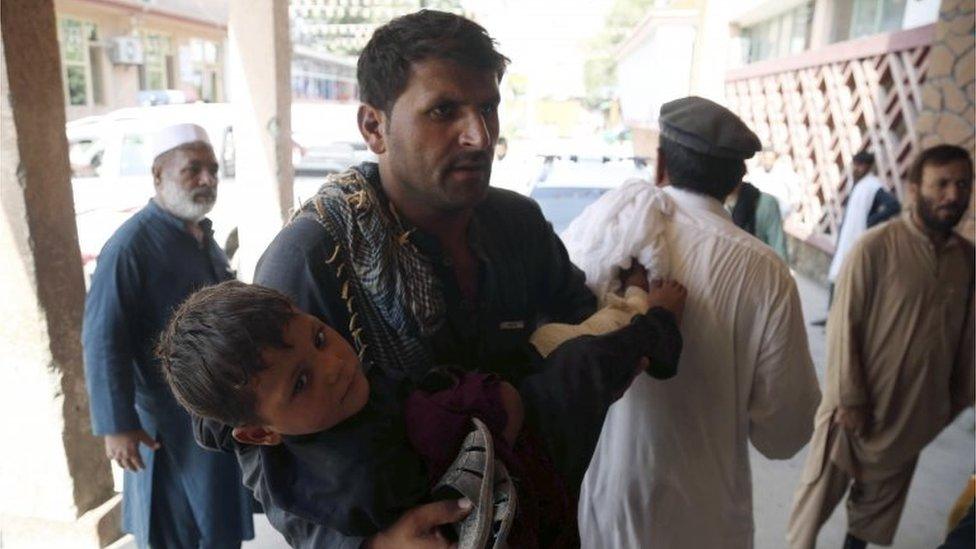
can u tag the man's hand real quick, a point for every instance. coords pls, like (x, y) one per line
(854, 420)
(418, 528)
(668, 294)
(124, 448)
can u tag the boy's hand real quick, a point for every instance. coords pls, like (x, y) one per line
(124, 448)
(668, 294)
(636, 275)
(419, 528)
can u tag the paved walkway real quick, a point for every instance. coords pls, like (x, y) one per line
(942, 472)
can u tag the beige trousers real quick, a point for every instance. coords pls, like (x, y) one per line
(873, 507)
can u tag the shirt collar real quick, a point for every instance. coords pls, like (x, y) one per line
(426, 243)
(691, 199)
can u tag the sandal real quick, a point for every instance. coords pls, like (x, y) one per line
(505, 504)
(472, 475)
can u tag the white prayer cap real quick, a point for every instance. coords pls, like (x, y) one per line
(173, 136)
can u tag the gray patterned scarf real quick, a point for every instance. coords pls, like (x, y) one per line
(387, 284)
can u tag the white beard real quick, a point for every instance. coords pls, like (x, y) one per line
(180, 202)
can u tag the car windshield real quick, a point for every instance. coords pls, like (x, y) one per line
(565, 187)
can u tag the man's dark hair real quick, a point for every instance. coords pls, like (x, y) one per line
(212, 347)
(864, 157)
(384, 65)
(703, 174)
(939, 155)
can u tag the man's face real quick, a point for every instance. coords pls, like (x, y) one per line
(313, 384)
(439, 137)
(768, 160)
(860, 169)
(941, 198)
(186, 181)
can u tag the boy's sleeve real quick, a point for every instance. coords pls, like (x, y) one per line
(567, 399)
(356, 479)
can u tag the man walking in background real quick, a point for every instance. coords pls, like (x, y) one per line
(899, 357)
(176, 494)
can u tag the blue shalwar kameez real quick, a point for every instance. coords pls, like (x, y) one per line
(186, 496)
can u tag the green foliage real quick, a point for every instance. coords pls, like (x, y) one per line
(600, 69)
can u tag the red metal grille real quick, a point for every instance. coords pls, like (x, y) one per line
(824, 106)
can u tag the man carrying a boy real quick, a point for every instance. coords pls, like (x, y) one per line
(416, 261)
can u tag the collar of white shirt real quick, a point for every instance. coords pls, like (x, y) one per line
(691, 199)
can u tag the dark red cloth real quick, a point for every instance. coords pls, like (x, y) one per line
(437, 422)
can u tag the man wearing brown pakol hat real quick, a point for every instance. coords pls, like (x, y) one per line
(899, 357)
(671, 469)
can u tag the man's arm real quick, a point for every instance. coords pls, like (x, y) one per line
(853, 292)
(108, 347)
(769, 225)
(883, 207)
(785, 392)
(107, 341)
(567, 400)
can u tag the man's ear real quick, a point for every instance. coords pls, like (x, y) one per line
(157, 174)
(661, 173)
(372, 125)
(256, 435)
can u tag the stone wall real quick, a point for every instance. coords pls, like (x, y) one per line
(949, 93)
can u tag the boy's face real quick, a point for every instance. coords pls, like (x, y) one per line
(311, 386)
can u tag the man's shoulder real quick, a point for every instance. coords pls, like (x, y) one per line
(300, 237)
(131, 234)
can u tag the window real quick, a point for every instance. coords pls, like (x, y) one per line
(203, 68)
(783, 34)
(156, 69)
(874, 16)
(79, 42)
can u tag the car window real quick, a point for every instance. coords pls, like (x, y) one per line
(561, 205)
(135, 157)
(565, 187)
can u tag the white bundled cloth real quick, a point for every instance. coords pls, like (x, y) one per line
(626, 222)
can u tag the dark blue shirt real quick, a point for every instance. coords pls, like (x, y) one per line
(148, 267)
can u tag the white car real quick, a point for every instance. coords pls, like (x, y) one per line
(567, 184)
(326, 138)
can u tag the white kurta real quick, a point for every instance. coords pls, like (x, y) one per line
(671, 469)
(855, 220)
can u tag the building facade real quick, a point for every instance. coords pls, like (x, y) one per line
(123, 53)
(819, 81)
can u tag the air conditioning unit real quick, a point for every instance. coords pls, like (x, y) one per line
(126, 50)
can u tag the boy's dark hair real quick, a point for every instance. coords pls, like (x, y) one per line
(703, 174)
(939, 155)
(384, 65)
(212, 347)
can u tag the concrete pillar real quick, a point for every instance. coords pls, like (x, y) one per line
(260, 76)
(949, 92)
(55, 481)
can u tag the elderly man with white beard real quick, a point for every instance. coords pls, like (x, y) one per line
(176, 494)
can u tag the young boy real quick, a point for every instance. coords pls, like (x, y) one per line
(352, 449)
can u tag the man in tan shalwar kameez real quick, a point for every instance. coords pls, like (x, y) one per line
(899, 357)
